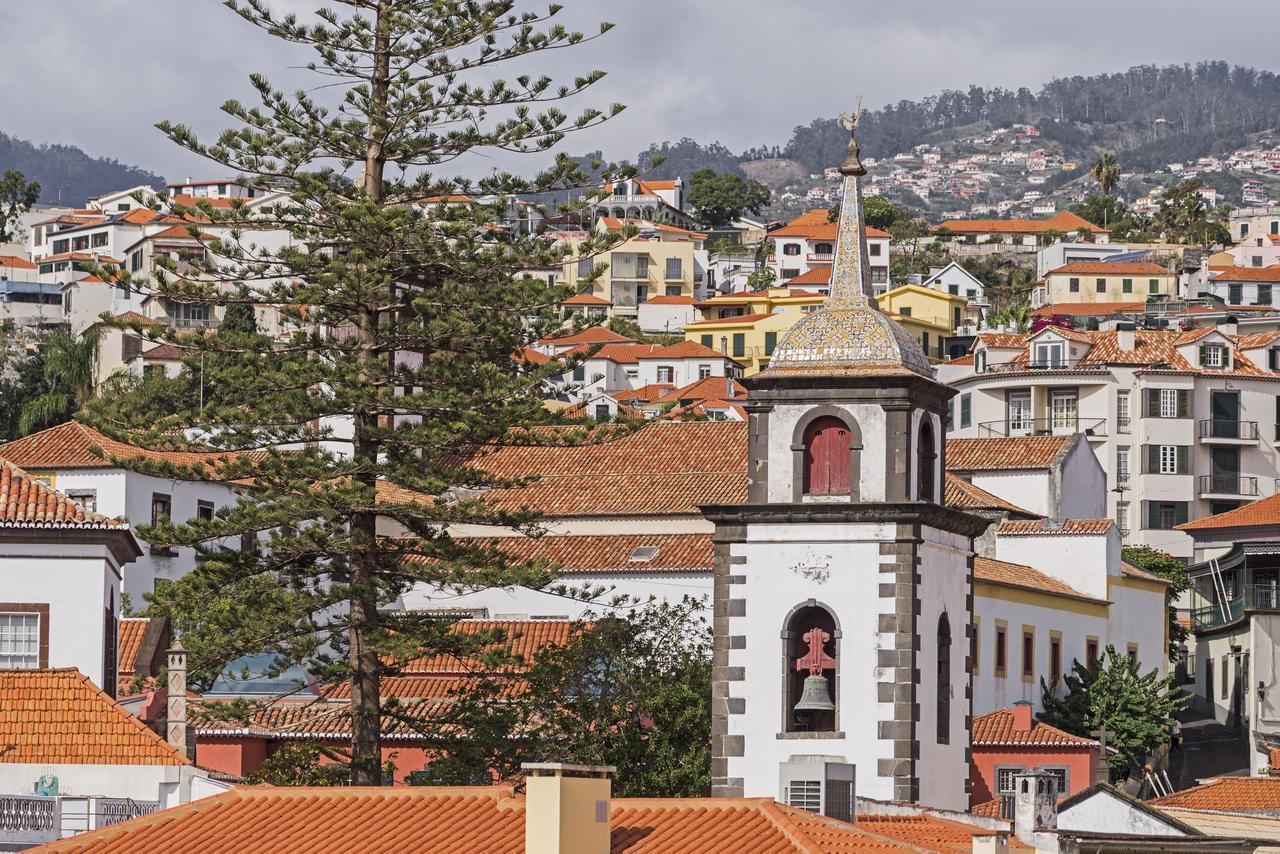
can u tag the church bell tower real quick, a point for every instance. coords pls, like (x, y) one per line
(843, 587)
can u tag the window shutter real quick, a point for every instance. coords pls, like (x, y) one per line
(1153, 402)
(1153, 459)
(1153, 514)
(1184, 402)
(770, 342)
(1271, 358)
(708, 341)
(1180, 513)
(1183, 462)
(1202, 352)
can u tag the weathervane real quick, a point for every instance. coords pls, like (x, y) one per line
(852, 164)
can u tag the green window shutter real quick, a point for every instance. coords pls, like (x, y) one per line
(770, 341)
(1202, 349)
(739, 344)
(1153, 515)
(1184, 402)
(1126, 285)
(966, 411)
(708, 341)
(951, 412)
(1154, 286)
(1184, 463)
(1180, 513)
(1153, 459)
(1153, 402)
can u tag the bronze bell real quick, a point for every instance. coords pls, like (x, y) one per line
(816, 696)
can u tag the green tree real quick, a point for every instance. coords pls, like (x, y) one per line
(762, 278)
(719, 198)
(17, 195)
(1183, 217)
(68, 363)
(409, 312)
(1106, 171)
(880, 212)
(1105, 210)
(1112, 692)
(1173, 571)
(632, 690)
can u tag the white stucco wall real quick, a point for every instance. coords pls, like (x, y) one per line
(1025, 488)
(170, 784)
(871, 423)
(1110, 814)
(1082, 489)
(1079, 561)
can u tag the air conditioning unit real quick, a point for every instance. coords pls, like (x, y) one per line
(818, 784)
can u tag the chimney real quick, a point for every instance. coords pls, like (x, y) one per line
(176, 709)
(1022, 716)
(1035, 805)
(566, 809)
(1125, 336)
(728, 386)
(993, 843)
(1228, 326)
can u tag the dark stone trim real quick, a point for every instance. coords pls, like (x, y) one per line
(758, 453)
(922, 392)
(786, 637)
(900, 512)
(722, 705)
(897, 451)
(797, 449)
(120, 542)
(42, 610)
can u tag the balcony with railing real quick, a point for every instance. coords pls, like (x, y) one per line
(1227, 486)
(1042, 367)
(1059, 426)
(28, 820)
(1208, 614)
(1223, 431)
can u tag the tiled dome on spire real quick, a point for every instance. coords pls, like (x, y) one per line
(848, 334)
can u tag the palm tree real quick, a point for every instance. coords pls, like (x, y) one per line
(69, 363)
(1106, 171)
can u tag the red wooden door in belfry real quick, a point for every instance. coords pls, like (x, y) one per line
(826, 457)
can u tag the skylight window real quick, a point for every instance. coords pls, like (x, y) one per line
(643, 554)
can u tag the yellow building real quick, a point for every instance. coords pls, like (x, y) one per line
(1107, 281)
(936, 311)
(662, 260)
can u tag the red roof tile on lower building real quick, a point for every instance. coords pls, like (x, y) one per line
(27, 503)
(1228, 794)
(1265, 513)
(59, 717)
(1019, 575)
(130, 636)
(590, 335)
(613, 553)
(646, 394)
(963, 495)
(586, 299)
(999, 452)
(663, 299)
(820, 275)
(1055, 527)
(997, 730)
(1087, 309)
(438, 820)
(75, 445)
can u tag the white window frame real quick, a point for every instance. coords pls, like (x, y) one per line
(1122, 412)
(1019, 417)
(1055, 351)
(1215, 356)
(1168, 403)
(20, 640)
(1064, 409)
(1168, 459)
(1122, 466)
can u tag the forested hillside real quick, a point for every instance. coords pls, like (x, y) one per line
(1150, 115)
(66, 174)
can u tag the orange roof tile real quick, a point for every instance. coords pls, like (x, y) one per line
(1260, 339)
(1113, 268)
(1063, 221)
(590, 335)
(520, 638)
(71, 446)
(963, 495)
(813, 225)
(741, 318)
(1265, 512)
(647, 393)
(183, 200)
(1003, 340)
(820, 275)
(662, 299)
(1088, 309)
(60, 717)
(174, 232)
(163, 353)
(434, 820)
(16, 262)
(27, 503)
(1228, 794)
(705, 389)
(684, 350)
(1055, 527)
(578, 553)
(1246, 274)
(996, 730)
(80, 256)
(586, 299)
(1019, 575)
(987, 809)
(624, 354)
(999, 452)
(132, 630)
(966, 359)
(662, 468)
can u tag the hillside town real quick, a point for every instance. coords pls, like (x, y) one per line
(597, 512)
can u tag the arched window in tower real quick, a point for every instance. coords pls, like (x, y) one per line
(926, 462)
(810, 640)
(944, 679)
(826, 457)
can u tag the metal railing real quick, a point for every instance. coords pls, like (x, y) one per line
(28, 819)
(1213, 428)
(1043, 427)
(1262, 597)
(1042, 366)
(1228, 484)
(1122, 424)
(192, 322)
(114, 810)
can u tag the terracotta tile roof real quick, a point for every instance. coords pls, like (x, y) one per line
(532, 356)
(684, 350)
(663, 299)
(662, 468)
(590, 335)
(820, 275)
(996, 730)
(573, 553)
(705, 388)
(1228, 794)
(963, 495)
(163, 353)
(1265, 512)
(1137, 572)
(586, 299)
(729, 321)
(707, 406)
(1112, 268)
(1063, 221)
(80, 256)
(60, 717)
(175, 232)
(424, 687)
(624, 354)
(646, 393)
(520, 638)
(1246, 274)
(1025, 577)
(71, 446)
(988, 809)
(185, 200)
(813, 225)
(1000, 452)
(1088, 309)
(330, 719)
(966, 359)
(1003, 340)
(435, 820)
(1055, 528)
(27, 503)
(1260, 339)
(17, 263)
(132, 630)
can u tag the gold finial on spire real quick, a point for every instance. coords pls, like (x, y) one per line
(852, 164)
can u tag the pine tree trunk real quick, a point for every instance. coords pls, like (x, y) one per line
(366, 702)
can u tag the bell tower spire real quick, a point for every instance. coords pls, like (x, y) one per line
(851, 270)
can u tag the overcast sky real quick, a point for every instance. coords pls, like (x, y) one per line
(99, 73)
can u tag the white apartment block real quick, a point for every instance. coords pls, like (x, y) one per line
(1185, 424)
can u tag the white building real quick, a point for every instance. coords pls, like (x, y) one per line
(1181, 422)
(957, 281)
(809, 241)
(1053, 476)
(64, 458)
(1243, 286)
(1062, 253)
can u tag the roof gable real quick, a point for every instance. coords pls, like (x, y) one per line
(1013, 452)
(997, 730)
(26, 502)
(1263, 513)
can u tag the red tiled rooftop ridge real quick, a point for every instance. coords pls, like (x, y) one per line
(999, 452)
(26, 502)
(997, 730)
